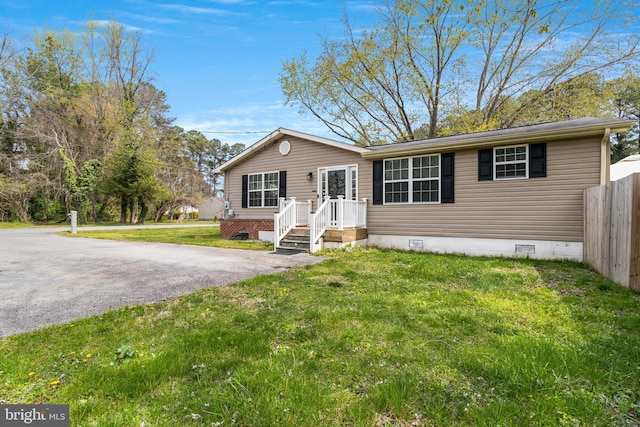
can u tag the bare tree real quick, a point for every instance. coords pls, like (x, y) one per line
(529, 44)
(427, 59)
(383, 82)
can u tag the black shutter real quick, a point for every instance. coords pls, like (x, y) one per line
(485, 164)
(245, 191)
(378, 182)
(538, 160)
(447, 167)
(282, 184)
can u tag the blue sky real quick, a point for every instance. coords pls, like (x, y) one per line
(218, 60)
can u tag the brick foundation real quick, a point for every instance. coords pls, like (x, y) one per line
(229, 227)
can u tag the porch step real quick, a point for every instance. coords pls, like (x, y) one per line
(297, 240)
(300, 231)
(292, 246)
(290, 251)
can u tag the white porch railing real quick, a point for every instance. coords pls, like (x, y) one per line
(292, 214)
(331, 214)
(348, 213)
(318, 224)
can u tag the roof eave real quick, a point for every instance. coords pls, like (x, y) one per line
(465, 142)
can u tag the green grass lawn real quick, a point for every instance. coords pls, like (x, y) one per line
(201, 236)
(366, 338)
(15, 224)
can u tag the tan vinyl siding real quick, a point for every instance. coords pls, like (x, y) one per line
(304, 157)
(538, 208)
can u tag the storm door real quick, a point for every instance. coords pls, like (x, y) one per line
(338, 181)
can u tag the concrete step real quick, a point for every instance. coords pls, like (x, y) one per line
(290, 251)
(294, 244)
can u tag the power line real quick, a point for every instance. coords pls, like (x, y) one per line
(234, 132)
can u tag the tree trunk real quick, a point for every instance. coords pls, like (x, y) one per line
(144, 209)
(123, 209)
(132, 210)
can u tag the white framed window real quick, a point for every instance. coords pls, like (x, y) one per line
(412, 180)
(396, 181)
(511, 162)
(263, 189)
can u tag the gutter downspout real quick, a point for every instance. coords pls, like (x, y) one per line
(604, 150)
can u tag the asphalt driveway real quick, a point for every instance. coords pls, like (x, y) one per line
(48, 279)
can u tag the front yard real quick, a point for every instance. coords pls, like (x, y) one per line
(366, 338)
(199, 236)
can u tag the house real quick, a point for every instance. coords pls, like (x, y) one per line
(511, 192)
(211, 208)
(625, 167)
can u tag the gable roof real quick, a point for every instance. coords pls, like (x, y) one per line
(625, 167)
(566, 130)
(280, 133)
(569, 129)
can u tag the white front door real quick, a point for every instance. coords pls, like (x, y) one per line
(338, 181)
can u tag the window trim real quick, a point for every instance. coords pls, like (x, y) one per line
(513, 162)
(410, 180)
(262, 190)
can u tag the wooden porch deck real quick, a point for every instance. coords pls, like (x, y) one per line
(297, 240)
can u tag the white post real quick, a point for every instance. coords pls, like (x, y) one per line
(327, 218)
(340, 216)
(276, 231)
(281, 204)
(73, 215)
(294, 216)
(364, 213)
(312, 233)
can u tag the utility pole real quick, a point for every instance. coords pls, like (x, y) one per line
(73, 215)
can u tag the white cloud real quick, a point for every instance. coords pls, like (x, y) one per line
(227, 1)
(249, 123)
(367, 7)
(104, 23)
(147, 18)
(194, 10)
(292, 3)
